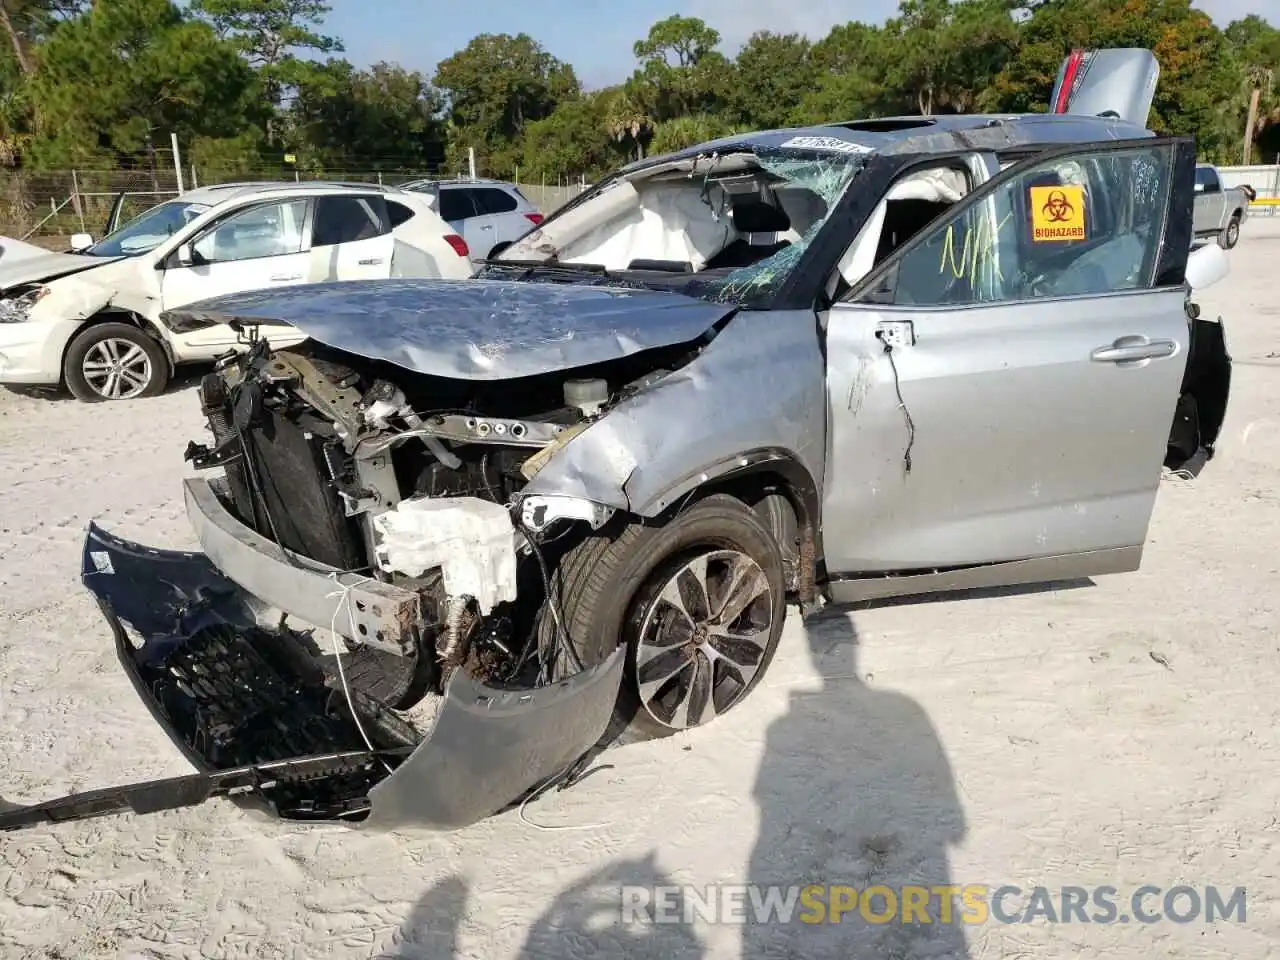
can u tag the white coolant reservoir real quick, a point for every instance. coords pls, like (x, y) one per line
(471, 540)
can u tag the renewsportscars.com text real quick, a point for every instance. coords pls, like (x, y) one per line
(942, 904)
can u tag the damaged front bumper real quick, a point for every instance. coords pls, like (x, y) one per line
(254, 713)
(373, 611)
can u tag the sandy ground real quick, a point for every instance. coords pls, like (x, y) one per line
(1120, 733)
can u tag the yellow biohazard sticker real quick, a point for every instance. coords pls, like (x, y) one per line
(1057, 213)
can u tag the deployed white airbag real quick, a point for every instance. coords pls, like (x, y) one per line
(471, 540)
(672, 222)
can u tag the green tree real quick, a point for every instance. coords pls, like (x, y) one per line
(680, 72)
(24, 23)
(494, 88)
(772, 75)
(574, 140)
(688, 131)
(628, 118)
(849, 63)
(383, 118)
(128, 73)
(944, 53)
(1255, 45)
(271, 35)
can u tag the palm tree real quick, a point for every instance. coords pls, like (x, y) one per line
(626, 118)
(1256, 78)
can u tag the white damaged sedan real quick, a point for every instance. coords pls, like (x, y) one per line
(88, 320)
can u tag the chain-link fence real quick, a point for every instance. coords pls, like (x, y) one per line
(54, 204)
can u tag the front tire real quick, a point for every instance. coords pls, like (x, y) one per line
(1231, 235)
(114, 361)
(699, 601)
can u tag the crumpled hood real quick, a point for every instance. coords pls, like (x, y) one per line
(469, 329)
(28, 267)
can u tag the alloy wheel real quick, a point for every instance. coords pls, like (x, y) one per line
(703, 638)
(116, 369)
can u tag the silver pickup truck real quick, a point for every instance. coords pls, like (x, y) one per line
(1218, 211)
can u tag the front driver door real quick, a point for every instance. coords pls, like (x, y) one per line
(1037, 339)
(260, 246)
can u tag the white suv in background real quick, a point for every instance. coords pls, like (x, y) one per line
(90, 320)
(490, 214)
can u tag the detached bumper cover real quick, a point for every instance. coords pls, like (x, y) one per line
(255, 716)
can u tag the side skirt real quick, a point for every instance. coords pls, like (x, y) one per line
(852, 589)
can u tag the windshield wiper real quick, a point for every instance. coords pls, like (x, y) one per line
(550, 266)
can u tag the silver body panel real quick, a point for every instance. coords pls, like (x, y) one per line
(1024, 446)
(757, 387)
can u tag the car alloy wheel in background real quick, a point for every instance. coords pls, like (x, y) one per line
(115, 361)
(117, 369)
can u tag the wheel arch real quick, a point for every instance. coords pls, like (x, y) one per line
(781, 490)
(111, 314)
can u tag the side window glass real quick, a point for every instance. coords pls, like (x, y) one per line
(349, 219)
(265, 230)
(456, 205)
(398, 213)
(1080, 225)
(490, 200)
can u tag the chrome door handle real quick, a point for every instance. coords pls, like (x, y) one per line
(1130, 349)
(486, 226)
(373, 262)
(284, 277)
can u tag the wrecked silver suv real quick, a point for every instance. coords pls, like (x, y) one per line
(469, 532)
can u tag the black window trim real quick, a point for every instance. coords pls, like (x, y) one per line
(465, 196)
(384, 226)
(391, 220)
(479, 190)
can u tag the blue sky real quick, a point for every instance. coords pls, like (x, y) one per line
(596, 36)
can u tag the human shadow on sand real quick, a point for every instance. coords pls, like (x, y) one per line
(854, 789)
(584, 920)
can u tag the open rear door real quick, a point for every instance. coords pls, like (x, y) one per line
(1119, 82)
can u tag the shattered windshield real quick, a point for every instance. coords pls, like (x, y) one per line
(729, 227)
(148, 230)
(825, 175)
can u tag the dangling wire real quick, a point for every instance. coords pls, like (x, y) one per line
(902, 404)
(343, 593)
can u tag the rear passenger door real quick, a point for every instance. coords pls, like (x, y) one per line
(497, 221)
(351, 238)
